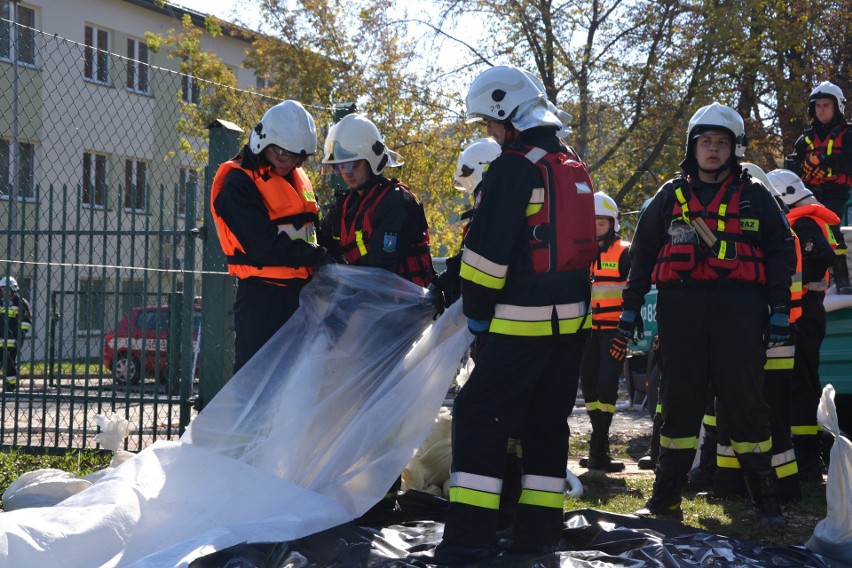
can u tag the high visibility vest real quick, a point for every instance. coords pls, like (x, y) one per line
(560, 215)
(832, 144)
(607, 286)
(733, 257)
(797, 290)
(824, 218)
(415, 265)
(293, 207)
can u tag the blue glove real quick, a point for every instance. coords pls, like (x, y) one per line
(779, 329)
(478, 327)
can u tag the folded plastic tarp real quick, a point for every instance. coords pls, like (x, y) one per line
(308, 435)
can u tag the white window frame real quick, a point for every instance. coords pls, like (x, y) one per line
(137, 66)
(25, 16)
(189, 89)
(133, 170)
(10, 167)
(96, 54)
(97, 173)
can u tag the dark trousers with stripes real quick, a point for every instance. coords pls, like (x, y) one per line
(519, 385)
(599, 373)
(710, 335)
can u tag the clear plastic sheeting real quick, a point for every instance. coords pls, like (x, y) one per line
(307, 436)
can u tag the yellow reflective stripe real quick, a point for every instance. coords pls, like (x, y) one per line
(532, 210)
(840, 252)
(809, 142)
(567, 327)
(309, 196)
(602, 406)
(752, 447)
(720, 222)
(779, 364)
(830, 146)
(474, 498)
(659, 408)
(806, 430)
(542, 499)
(544, 483)
(25, 326)
(471, 274)
(12, 311)
(521, 328)
(709, 419)
(786, 470)
(10, 342)
(727, 462)
(359, 240)
(689, 443)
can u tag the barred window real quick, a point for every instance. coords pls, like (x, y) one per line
(137, 65)
(17, 171)
(17, 40)
(135, 185)
(94, 179)
(96, 66)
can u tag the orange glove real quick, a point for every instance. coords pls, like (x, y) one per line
(618, 347)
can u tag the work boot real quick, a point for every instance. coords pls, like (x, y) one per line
(701, 476)
(649, 460)
(451, 553)
(666, 497)
(728, 482)
(599, 456)
(760, 481)
(841, 276)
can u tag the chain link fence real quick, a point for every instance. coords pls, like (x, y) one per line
(101, 194)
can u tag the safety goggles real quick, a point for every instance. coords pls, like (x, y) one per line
(285, 156)
(345, 167)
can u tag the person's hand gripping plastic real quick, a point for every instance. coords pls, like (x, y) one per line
(779, 329)
(626, 330)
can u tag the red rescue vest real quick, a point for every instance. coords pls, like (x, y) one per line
(607, 286)
(292, 207)
(416, 264)
(733, 256)
(833, 143)
(560, 215)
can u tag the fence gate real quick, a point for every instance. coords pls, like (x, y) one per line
(100, 202)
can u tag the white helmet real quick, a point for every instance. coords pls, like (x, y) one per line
(498, 92)
(355, 137)
(789, 185)
(827, 90)
(718, 116)
(473, 162)
(9, 282)
(605, 206)
(757, 173)
(287, 125)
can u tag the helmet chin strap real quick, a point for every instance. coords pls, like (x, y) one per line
(718, 171)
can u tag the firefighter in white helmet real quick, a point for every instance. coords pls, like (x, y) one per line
(379, 222)
(599, 373)
(15, 323)
(822, 157)
(722, 257)
(813, 224)
(525, 288)
(266, 218)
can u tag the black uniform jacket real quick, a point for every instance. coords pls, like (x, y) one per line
(499, 232)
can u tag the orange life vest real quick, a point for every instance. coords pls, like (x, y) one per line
(607, 286)
(293, 207)
(824, 218)
(733, 256)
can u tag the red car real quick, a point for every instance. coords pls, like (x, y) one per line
(141, 342)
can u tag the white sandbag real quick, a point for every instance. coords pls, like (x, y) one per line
(430, 467)
(833, 535)
(114, 429)
(42, 488)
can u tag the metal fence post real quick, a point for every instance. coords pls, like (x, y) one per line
(217, 303)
